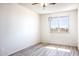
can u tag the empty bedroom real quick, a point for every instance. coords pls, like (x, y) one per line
(39, 29)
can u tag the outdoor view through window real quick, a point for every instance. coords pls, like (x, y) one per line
(59, 24)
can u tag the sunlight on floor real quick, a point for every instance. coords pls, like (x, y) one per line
(48, 47)
(66, 50)
(59, 49)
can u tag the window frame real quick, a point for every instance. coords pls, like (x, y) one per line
(49, 22)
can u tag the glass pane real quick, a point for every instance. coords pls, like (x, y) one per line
(54, 23)
(63, 22)
(59, 23)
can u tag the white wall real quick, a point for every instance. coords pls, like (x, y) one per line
(19, 28)
(78, 28)
(60, 38)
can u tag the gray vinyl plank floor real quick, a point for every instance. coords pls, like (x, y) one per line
(48, 50)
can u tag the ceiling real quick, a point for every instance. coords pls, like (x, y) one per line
(50, 8)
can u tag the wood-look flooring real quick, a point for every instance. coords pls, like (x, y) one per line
(48, 50)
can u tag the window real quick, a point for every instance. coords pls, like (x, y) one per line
(59, 24)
